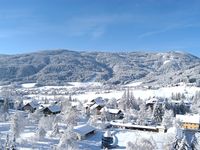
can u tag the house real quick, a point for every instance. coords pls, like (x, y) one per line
(113, 113)
(83, 131)
(96, 109)
(116, 113)
(30, 106)
(95, 105)
(151, 102)
(53, 109)
(189, 122)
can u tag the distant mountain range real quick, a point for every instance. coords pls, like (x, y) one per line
(57, 67)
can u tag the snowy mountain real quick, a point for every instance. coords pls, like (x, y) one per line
(58, 67)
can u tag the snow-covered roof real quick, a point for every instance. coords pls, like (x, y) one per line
(54, 108)
(113, 111)
(84, 129)
(132, 125)
(89, 103)
(33, 104)
(152, 100)
(98, 100)
(187, 102)
(189, 118)
(94, 106)
(110, 110)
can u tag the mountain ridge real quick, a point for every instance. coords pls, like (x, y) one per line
(57, 67)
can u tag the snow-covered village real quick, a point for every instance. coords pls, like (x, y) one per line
(94, 116)
(99, 75)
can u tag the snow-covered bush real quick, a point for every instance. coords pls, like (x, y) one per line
(40, 133)
(142, 144)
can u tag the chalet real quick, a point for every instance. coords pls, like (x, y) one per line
(95, 105)
(96, 109)
(151, 102)
(83, 131)
(114, 113)
(30, 107)
(53, 109)
(189, 122)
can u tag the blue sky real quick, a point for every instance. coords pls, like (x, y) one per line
(99, 25)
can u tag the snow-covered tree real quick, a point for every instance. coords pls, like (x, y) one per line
(55, 131)
(195, 107)
(168, 118)
(17, 124)
(13, 145)
(180, 144)
(185, 140)
(6, 105)
(127, 116)
(183, 108)
(35, 116)
(128, 101)
(68, 140)
(40, 133)
(176, 96)
(69, 114)
(7, 142)
(112, 103)
(143, 114)
(104, 115)
(19, 104)
(168, 140)
(157, 112)
(196, 141)
(46, 122)
(6, 95)
(10, 144)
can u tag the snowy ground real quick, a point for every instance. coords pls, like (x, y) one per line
(27, 140)
(121, 137)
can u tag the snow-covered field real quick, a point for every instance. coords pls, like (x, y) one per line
(142, 93)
